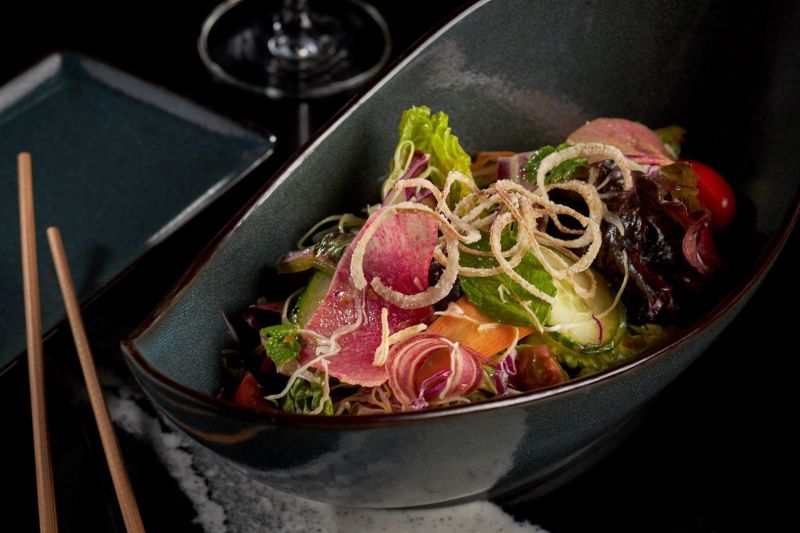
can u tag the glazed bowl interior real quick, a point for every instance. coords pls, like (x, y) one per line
(513, 75)
(530, 85)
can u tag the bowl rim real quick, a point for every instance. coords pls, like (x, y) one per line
(734, 296)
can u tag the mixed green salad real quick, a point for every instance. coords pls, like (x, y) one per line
(476, 278)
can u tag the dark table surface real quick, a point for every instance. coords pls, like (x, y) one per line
(709, 455)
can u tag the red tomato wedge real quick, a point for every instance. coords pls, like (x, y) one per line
(249, 394)
(715, 194)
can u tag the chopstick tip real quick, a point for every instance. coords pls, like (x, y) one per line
(24, 171)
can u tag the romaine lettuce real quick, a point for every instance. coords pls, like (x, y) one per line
(431, 134)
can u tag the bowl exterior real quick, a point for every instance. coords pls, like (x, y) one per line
(489, 451)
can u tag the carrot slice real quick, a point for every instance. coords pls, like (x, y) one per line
(489, 342)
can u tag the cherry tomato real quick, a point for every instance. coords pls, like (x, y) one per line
(715, 194)
(266, 366)
(537, 368)
(249, 394)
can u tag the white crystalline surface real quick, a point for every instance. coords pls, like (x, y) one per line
(225, 500)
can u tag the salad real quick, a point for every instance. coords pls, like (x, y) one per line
(477, 278)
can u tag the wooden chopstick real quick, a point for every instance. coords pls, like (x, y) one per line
(33, 329)
(119, 475)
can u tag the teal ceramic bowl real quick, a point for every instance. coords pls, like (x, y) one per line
(511, 74)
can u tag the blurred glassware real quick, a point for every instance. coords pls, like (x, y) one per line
(296, 49)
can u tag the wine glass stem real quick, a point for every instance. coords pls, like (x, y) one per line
(296, 6)
(303, 123)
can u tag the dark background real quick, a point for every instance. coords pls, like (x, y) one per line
(709, 455)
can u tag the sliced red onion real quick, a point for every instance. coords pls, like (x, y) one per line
(510, 168)
(699, 248)
(406, 359)
(418, 163)
(599, 329)
(430, 387)
(501, 382)
(509, 364)
(417, 196)
(503, 371)
(296, 261)
(275, 307)
(259, 315)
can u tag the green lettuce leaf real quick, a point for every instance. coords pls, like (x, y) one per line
(640, 338)
(507, 308)
(672, 138)
(304, 397)
(678, 182)
(281, 342)
(431, 134)
(629, 342)
(567, 170)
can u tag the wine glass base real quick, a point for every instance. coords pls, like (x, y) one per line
(238, 40)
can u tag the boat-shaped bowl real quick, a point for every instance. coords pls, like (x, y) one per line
(511, 74)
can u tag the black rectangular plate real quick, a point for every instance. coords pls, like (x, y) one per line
(118, 165)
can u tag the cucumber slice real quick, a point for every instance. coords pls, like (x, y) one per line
(312, 297)
(502, 299)
(580, 330)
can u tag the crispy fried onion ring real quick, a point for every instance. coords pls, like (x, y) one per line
(594, 150)
(494, 209)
